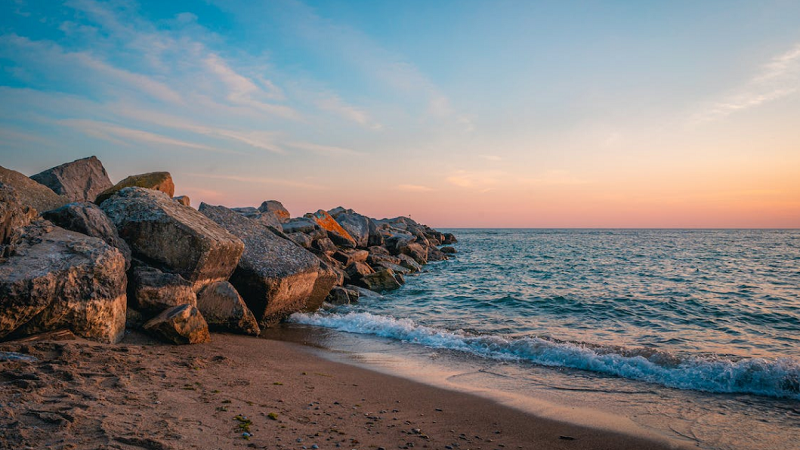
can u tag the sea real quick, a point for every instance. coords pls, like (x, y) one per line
(689, 336)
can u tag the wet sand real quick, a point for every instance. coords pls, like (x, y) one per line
(145, 394)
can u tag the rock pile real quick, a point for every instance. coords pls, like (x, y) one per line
(79, 253)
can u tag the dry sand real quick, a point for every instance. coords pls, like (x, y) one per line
(142, 394)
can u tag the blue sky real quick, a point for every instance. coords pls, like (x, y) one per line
(470, 113)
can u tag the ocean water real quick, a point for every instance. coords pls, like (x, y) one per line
(710, 312)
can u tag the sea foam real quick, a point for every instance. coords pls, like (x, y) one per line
(774, 378)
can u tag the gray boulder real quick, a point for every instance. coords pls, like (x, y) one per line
(267, 218)
(31, 193)
(327, 278)
(275, 208)
(449, 238)
(380, 281)
(157, 181)
(80, 180)
(303, 225)
(173, 237)
(301, 239)
(13, 214)
(409, 263)
(183, 200)
(179, 325)
(275, 276)
(342, 296)
(324, 245)
(89, 219)
(448, 250)
(347, 256)
(358, 270)
(224, 309)
(336, 233)
(434, 254)
(57, 278)
(416, 251)
(152, 291)
(357, 226)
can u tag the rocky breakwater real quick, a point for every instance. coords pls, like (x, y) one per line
(79, 253)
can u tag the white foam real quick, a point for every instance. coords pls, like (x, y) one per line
(774, 378)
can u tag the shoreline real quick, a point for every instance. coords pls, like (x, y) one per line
(145, 394)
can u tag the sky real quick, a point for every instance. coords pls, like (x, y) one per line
(591, 114)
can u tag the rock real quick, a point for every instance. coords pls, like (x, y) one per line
(448, 250)
(434, 254)
(87, 218)
(13, 214)
(364, 293)
(342, 296)
(183, 200)
(335, 231)
(409, 263)
(267, 218)
(327, 278)
(396, 268)
(173, 237)
(348, 256)
(335, 212)
(134, 319)
(304, 225)
(374, 259)
(449, 238)
(152, 291)
(416, 251)
(356, 226)
(157, 181)
(275, 207)
(275, 276)
(324, 245)
(301, 239)
(31, 193)
(79, 181)
(358, 270)
(375, 235)
(380, 281)
(181, 324)
(57, 278)
(377, 250)
(395, 240)
(224, 309)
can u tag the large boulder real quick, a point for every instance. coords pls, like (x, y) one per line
(357, 270)
(380, 281)
(327, 278)
(267, 218)
(416, 251)
(304, 225)
(409, 263)
(275, 276)
(449, 238)
(336, 233)
(356, 226)
(347, 256)
(173, 237)
(434, 254)
(89, 219)
(179, 325)
(276, 208)
(157, 181)
(13, 214)
(224, 309)
(342, 296)
(80, 180)
(31, 193)
(183, 200)
(57, 278)
(152, 291)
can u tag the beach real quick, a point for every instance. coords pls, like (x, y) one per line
(145, 394)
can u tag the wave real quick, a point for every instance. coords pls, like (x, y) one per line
(773, 378)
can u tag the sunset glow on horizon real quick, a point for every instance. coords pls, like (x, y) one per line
(458, 114)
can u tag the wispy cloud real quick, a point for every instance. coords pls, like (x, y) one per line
(554, 178)
(122, 135)
(475, 179)
(333, 103)
(324, 149)
(777, 79)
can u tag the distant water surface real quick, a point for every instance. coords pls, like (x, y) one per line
(708, 310)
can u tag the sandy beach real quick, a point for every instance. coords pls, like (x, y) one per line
(145, 394)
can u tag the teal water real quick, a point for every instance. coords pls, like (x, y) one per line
(708, 310)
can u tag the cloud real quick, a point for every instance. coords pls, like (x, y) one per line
(324, 149)
(413, 188)
(333, 103)
(777, 79)
(243, 91)
(491, 157)
(122, 135)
